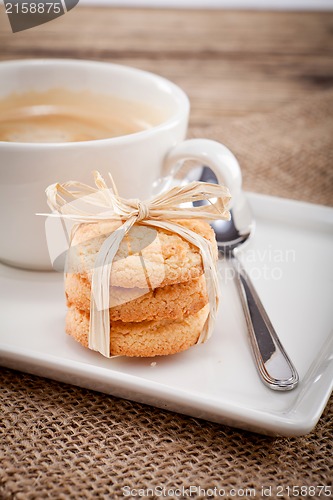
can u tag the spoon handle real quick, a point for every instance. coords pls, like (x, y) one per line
(273, 363)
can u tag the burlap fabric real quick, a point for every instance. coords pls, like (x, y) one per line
(288, 153)
(63, 442)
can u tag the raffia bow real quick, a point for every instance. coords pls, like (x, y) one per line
(104, 203)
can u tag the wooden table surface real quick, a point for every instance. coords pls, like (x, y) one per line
(231, 63)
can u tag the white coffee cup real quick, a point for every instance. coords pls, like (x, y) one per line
(136, 161)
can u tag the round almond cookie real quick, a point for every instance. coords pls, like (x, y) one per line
(138, 304)
(147, 257)
(145, 339)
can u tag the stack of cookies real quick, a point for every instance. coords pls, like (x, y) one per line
(158, 298)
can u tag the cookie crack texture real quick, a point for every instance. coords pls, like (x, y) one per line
(168, 259)
(145, 339)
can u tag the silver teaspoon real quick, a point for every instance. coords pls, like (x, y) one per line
(273, 364)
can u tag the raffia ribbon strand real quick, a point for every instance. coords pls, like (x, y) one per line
(104, 203)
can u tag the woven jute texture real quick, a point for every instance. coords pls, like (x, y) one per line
(288, 153)
(63, 442)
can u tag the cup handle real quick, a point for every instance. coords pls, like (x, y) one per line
(209, 153)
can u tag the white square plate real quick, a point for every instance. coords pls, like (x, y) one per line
(290, 261)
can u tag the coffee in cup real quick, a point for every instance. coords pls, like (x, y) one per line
(64, 115)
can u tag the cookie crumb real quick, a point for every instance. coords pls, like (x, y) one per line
(153, 364)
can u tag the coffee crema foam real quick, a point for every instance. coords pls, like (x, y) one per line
(61, 115)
